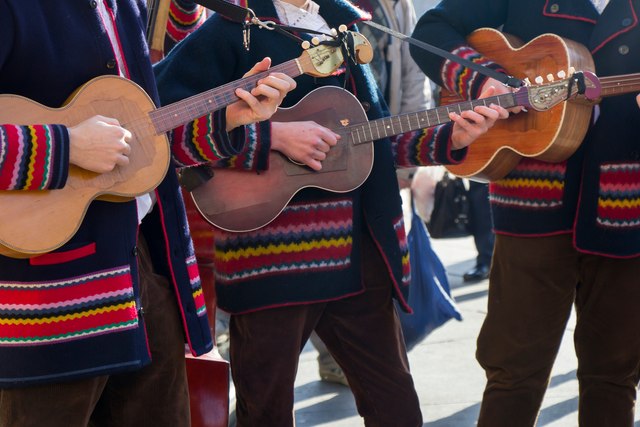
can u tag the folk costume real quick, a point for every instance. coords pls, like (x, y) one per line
(77, 313)
(330, 261)
(567, 232)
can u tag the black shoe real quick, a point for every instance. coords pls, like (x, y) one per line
(477, 273)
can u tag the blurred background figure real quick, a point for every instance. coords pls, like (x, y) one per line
(482, 230)
(405, 89)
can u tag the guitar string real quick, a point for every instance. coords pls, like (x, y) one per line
(620, 83)
(389, 124)
(197, 104)
(614, 83)
(193, 107)
(203, 101)
(630, 81)
(168, 116)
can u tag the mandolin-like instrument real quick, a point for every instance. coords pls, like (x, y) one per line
(550, 135)
(36, 222)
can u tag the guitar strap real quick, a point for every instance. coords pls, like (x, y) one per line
(501, 77)
(247, 17)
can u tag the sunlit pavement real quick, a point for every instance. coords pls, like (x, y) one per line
(447, 376)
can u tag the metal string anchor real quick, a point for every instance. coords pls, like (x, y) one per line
(246, 32)
(246, 35)
(249, 20)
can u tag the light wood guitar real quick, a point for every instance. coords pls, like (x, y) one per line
(36, 222)
(156, 30)
(237, 201)
(552, 135)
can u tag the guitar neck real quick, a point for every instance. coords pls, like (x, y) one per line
(396, 125)
(619, 85)
(173, 115)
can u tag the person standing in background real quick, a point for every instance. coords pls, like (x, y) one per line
(481, 228)
(567, 233)
(403, 84)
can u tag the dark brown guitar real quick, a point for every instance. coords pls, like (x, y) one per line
(550, 135)
(236, 200)
(35, 222)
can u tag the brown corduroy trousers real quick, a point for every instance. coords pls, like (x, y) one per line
(534, 284)
(363, 334)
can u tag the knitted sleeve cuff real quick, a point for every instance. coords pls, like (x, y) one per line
(229, 143)
(462, 80)
(444, 153)
(34, 157)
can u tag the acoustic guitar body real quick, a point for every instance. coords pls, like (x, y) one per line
(236, 200)
(39, 221)
(551, 135)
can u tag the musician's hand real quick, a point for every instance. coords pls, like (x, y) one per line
(499, 89)
(262, 101)
(469, 125)
(304, 142)
(99, 144)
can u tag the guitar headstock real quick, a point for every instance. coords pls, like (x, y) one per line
(543, 96)
(323, 59)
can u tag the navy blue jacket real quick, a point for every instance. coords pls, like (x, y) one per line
(312, 251)
(594, 194)
(49, 49)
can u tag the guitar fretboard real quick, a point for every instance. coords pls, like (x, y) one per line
(184, 111)
(618, 85)
(396, 125)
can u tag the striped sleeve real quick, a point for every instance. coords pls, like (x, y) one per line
(184, 18)
(425, 147)
(462, 80)
(34, 157)
(205, 140)
(255, 154)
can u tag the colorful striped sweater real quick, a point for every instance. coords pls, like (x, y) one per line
(594, 194)
(35, 157)
(76, 312)
(312, 251)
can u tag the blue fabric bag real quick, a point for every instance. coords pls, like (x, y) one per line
(429, 292)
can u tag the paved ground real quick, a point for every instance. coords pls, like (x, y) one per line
(448, 379)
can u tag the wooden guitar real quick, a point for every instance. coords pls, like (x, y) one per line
(157, 27)
(36, 222)
(550, 135)
(237, 201)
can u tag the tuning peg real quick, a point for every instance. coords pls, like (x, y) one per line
(315, 41)
(526, 81)
(561, 74)
(539, 80)
(550, 77)
(342, 28)
(306, 45)
(572, 70)
(334, 32)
